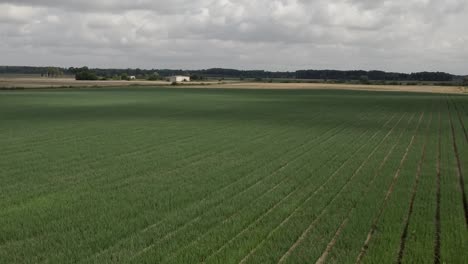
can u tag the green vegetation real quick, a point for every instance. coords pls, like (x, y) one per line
(154, 77)
(84, 73)
(337, 76)
(52, 72)
(124, 77)
(144, 175)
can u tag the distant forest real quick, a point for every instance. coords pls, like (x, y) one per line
(353, 75)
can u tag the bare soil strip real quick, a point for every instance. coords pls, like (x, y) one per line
(21, 82)
(459, 167)
(387, 196)
(309, 228)
(63, 83)
(244, 260)
(404, 234)
(334, 86)
(438, 197)
(332, 243)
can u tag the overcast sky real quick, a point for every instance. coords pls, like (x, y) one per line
(393, 35)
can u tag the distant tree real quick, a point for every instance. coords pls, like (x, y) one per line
(85, 74)
(154, 77)
(218, 73)
(431, 76)
(151, 77)
(196, 77)
(364, 79)
(124, 76)
(377, 75)
(53, 72)
(465, 81)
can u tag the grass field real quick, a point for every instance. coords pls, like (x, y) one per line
(142, 175)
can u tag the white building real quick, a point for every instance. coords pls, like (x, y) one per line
(179, 79)
(132, 77)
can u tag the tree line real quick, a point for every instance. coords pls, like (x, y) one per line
(85, 73)
(374, 75)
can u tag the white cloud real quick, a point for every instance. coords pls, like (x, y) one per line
(14, 14)
(397, 35)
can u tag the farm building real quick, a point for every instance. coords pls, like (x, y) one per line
(179, 78)
(132, 77)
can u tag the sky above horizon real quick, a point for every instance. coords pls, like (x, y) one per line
(278, 35)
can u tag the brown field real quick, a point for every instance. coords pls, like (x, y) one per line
(38, 82)
(399, 88)
(10, 82)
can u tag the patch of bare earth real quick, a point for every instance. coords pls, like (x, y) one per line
(359, 87)
(38, 82)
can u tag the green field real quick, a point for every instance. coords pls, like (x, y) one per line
(143, 175)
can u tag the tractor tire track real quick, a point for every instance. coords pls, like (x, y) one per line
(279, 169)
(404, 234)
(309, 228)
(154, 225)
(258, 219)
(459, 167)
(276, 205)
(261, 179)
(438, 196)
(258, 182)
(461, 121)
(244, 260)
(387, 196)
(331, 244)
(334, 130)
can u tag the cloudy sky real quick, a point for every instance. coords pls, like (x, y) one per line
(394, 35)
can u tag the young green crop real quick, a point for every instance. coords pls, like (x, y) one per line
(145, 175)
